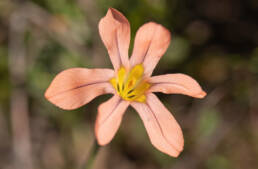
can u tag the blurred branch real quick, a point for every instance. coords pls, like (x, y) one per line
(52, 25)
(211, 100)
(206, 147)
(203, 150)
(19, 97)
(88, 163)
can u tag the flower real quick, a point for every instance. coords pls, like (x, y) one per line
(130, 82)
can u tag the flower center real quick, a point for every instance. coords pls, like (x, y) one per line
(130, 85)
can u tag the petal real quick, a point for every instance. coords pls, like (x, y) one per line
(114, 30)
(151, 42)
(176, 84)
(109, 118)
(75, 87)
(163, 130)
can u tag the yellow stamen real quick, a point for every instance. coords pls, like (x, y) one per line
(130, 85)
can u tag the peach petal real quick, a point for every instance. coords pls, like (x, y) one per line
(109, 119)
(176, 84)
(75, 87)
(114, 30)
(164, 132)
(151, 42)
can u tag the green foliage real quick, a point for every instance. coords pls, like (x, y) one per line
(4, 80)
(218, 161)
(208, 122)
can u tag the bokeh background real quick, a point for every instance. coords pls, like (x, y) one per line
(214, 41)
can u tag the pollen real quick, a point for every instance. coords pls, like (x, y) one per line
(130, 85)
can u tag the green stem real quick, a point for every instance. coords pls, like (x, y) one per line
(93, 153)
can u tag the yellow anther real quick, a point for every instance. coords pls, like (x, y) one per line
(121, 77)
(130, 85)
(136, 72)
(113, 82)
(141, 98)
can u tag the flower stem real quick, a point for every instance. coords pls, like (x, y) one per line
(93, 153)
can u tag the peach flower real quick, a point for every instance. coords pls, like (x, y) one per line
(130, 82)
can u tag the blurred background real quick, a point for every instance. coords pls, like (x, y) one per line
(214, 41)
